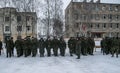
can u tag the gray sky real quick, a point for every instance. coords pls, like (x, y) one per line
(66, 2)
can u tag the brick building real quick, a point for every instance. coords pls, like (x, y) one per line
(94, 19)
(13, 23)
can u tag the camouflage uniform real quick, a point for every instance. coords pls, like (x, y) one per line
(55, 46)
(71, 46)
(18, 46)
(41, 45)
(92, 43)
(84, 46)
(48, 46)
(62, 46)
(27, 46)
(8, 48)
(78, 48)
(12, 46)
(0, 46)
(103, 44)
(115, 47)
(34, 47)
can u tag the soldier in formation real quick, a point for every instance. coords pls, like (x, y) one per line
(62, 46)
(41, 45)
(10, 47)
(110, 46)
(0, 46)
(55, 46)
(71, 46)
(82, 45)
(34, 43)
(78, 48)
(48, 46)
(18, 46)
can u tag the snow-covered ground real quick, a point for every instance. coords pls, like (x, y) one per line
(87, 64)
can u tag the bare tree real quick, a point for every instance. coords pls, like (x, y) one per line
(53, 14)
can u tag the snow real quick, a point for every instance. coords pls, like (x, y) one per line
(87, 64)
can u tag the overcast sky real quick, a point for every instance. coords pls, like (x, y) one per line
(66, 2)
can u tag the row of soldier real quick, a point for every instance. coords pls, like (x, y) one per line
(110, 46)
(28, 46)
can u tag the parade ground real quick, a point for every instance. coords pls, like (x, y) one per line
(87, 64)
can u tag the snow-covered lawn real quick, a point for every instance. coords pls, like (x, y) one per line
(87, 64)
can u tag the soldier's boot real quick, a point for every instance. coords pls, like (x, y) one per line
(0, 52)
(78, 57)
(10, 54)
(7, 55)
(71, 54)
(41, 55)
(49, 54)
(112, 55)
(116, 55)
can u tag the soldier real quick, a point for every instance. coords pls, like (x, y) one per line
(62, 46)
(74, 45)
(48, 46)
(78, 48)
(8, 47)
(34, 47)
(24, 44)
(92, 43)
(27, 45)
(12, 46)
(115, 47)
(41, 45)
(18, 45)
(71, 46)
(0, 46)
(22, 47)
(103, 44)
(55, 46)
(84, 46)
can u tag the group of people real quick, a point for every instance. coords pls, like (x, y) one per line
(77, 45)
(110, 46)
(30, 45)
(81, 45)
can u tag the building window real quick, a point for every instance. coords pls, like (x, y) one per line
(117, 34)
(110, 17)
(19, 28)
(117, 17)
(98, 25)
(84, 17)
(28, 28)
(110, 8)
(116, 8)
(76, 16)
(18, 18)
(7, 28)
(97, 16)
(104, 16)
(117, 25)
(91, 26)
(103, 8)
(77, 25)
(7, 19)
(27, 18)
(104, 25)
(110, 25)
